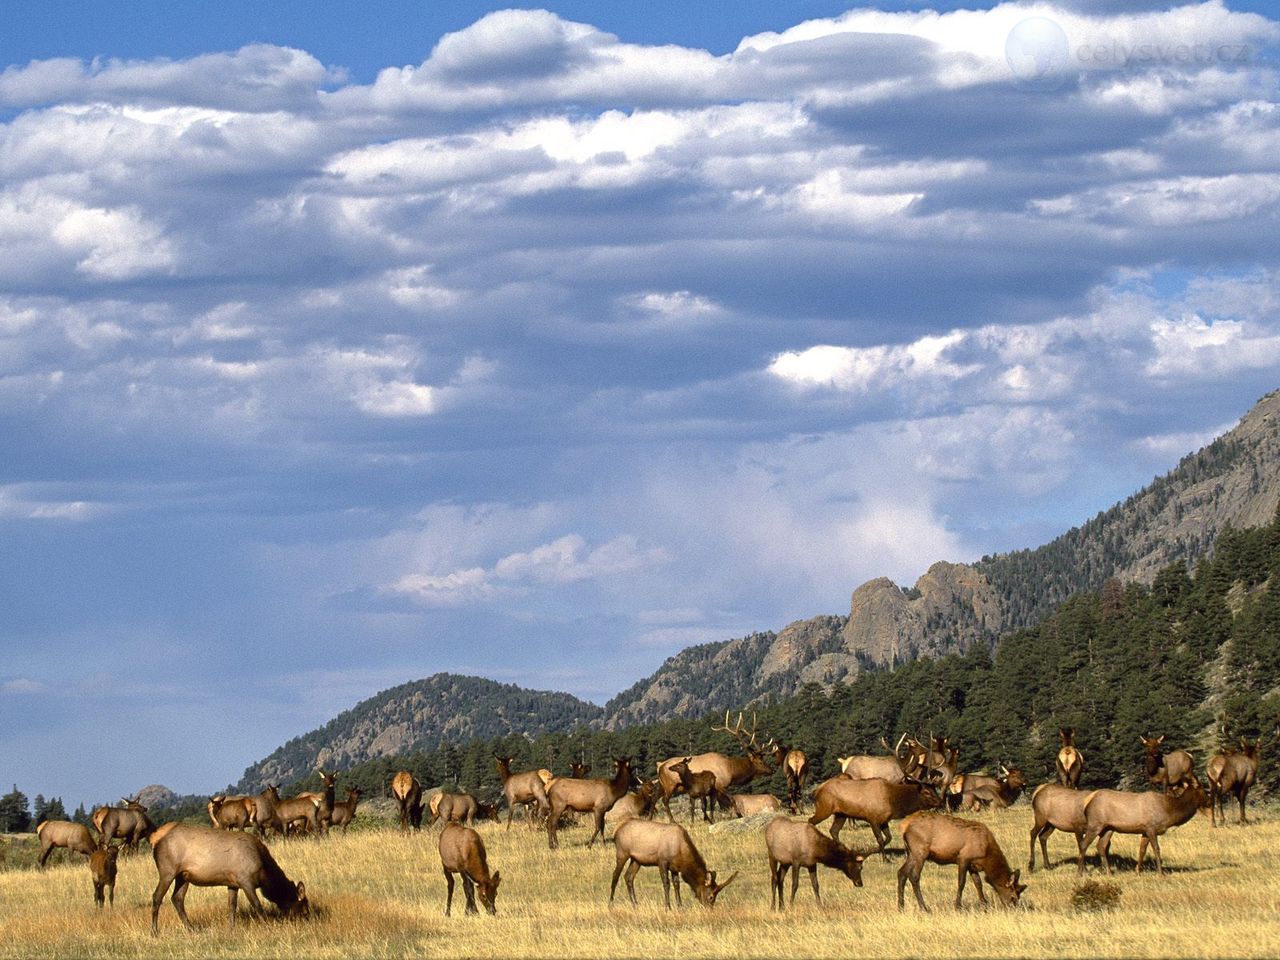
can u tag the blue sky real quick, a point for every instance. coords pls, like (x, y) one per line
(337, 351)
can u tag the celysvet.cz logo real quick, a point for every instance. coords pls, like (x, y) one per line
(1041, 57)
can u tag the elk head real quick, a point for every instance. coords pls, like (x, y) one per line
(747, 739)
(1067, 735)
(1010, 890)
(708, 890)
(489, 892)
(301, 907)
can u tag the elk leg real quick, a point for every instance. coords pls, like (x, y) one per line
(675, 882)
(666, 884)
(1104, 850)
(552, 840)
(775, 884)
(813, 881)
(157, 898)
(599, 830)
(977, 884)
(964, 873)
(1080, 846)
(232, 893)
(469, 888)
(795, 882)
(837, 824)
(448, 900)
(111, 890)
(617, 872)
(1037, 830)
(179, 901)
(1142, 853)
(511, 808)
(1155, 845)
(1240, 796)
(44, 854)
(882, 838)
(631, 882)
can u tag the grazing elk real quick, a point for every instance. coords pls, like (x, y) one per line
(462, 851)
(453, 808)
(875, 801)
(894, 768)
(1070, 761)
(666, 846)
(408, 793)
(795, 765)
(749, 804)
(942, 838)
(212, 858)
(799, 844)
(1056, 807)
(729, 771)
(1148, 814)
(63, 833)
(981, 790)
(698, 787)
(232, 813)
(344, 811)
(526, 788)
(129, 823)
(294, 812)
(587, 796)
(1231, 774)
(102, 865)
(1167, 770)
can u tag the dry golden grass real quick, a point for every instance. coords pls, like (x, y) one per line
(381, 894)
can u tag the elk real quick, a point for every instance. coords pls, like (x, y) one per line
(408, 793)
(462, 852)
(1000, 792)
(698, 786)
(799, 844)
(1070, 761)
(637, 803)
(587, 796)
(292, 810)
(264, 810)
(63, 833)
(894, 768)
(129, 823)
(729, 771)
(102, 865)
(749, 804)
(1231, 774)
(212, 858)
(666, 846)
(344, 811)
(795, 765)
(942, 838)
(1168, 770)
(944, 773)
(453, 808)
(324, 799)
(228, 813)
(1149, 814)
(487, 811)
(875, 801)
(526, 788)
(579, 771)
(1056, 807)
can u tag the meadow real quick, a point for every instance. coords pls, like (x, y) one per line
(380, 893)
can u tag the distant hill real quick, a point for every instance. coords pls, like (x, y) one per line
(421, 716)
(1234, 482)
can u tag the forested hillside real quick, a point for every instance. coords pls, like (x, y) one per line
(422, 715)
(1195, 656)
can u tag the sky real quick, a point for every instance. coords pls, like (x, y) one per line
(539, 344)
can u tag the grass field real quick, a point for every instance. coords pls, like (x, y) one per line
(379, 893)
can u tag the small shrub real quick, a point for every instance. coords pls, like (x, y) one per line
(1095, 895)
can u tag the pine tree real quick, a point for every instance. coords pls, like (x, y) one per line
(15, 816)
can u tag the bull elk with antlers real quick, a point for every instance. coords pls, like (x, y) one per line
(894, 768)
(1168, 770)
(729, 771)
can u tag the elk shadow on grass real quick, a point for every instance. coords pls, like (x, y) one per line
(1122, 864)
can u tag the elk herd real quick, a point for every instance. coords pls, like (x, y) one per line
(919, 784)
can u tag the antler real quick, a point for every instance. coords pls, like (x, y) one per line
(736, 730)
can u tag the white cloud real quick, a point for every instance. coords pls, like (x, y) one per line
(1191, 347)
(865, 368)
(17, 502)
